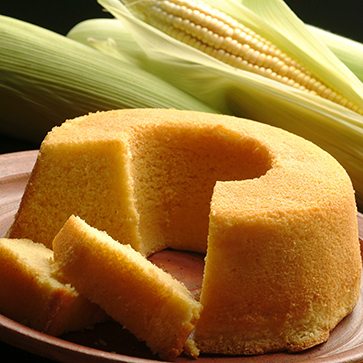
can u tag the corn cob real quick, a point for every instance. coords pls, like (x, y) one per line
(89, 32)
(215, 33)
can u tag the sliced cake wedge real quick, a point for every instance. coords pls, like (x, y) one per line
(147, 301)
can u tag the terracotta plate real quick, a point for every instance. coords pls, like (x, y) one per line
(108, 342)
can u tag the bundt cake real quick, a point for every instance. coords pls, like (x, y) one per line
(275, 215)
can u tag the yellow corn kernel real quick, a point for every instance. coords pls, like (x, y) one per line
(215, 33)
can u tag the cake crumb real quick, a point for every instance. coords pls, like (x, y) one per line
(191, 349)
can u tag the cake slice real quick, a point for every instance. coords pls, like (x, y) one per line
(147, 301)
(31, 296)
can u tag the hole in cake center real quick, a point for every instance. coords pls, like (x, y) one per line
(174, 171)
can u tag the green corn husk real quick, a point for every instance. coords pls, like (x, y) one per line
(334, 128)
(46, 78)
(348, 51)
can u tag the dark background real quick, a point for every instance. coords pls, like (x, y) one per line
(340, 16)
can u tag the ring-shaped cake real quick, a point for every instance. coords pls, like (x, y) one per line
(275, 215)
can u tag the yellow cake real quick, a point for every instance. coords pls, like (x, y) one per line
(31, 296)
(278, 214)
(142, 297)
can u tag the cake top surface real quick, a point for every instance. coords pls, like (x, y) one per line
(309, 174)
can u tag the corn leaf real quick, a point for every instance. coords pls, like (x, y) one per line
(109, 36)
(46, 78)
(350, 52)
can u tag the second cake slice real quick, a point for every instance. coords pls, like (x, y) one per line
(147, 301)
